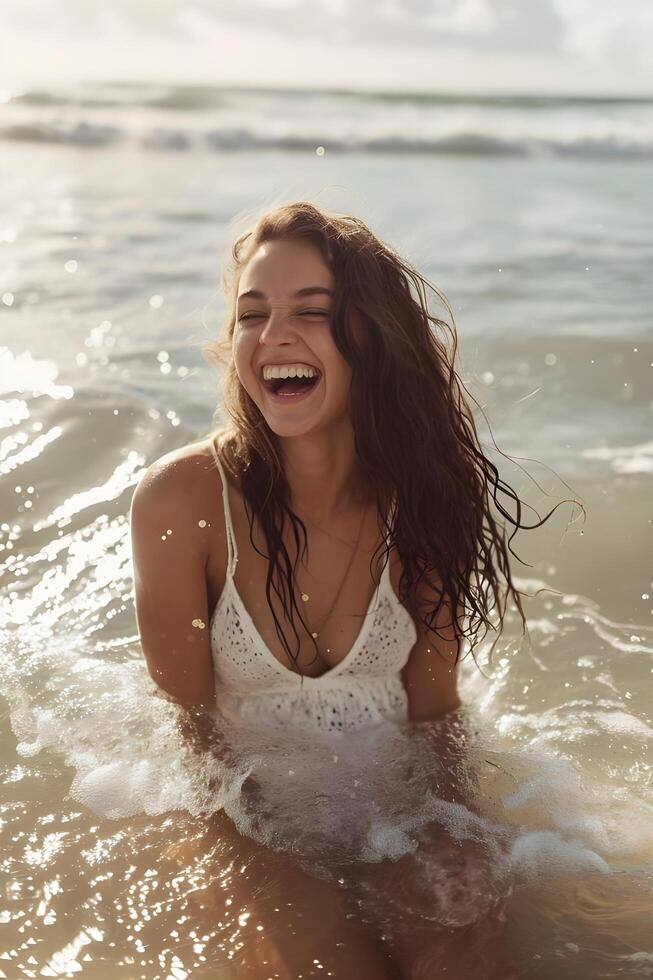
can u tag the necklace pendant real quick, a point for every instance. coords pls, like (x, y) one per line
(304, 597)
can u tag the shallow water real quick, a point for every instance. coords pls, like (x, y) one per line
(112, 830)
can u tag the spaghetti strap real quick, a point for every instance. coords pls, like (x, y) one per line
(232, 552)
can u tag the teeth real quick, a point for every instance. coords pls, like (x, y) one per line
(288, 371)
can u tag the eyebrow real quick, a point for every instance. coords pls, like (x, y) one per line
(306, 291)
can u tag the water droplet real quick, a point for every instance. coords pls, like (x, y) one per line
(201, 523)
(550, 360)
(156, 301)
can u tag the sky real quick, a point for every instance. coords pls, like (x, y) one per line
(600, 47)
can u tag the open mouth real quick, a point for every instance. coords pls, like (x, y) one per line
(291, 387)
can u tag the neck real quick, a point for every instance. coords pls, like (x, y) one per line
(324, 474)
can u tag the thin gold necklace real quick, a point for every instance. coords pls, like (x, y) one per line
(306, 597)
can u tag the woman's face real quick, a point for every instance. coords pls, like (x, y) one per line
(278, 326)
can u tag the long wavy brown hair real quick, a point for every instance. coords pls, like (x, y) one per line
(414, 431)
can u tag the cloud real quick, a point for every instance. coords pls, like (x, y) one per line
(601, 33)
(545, 42)
(500, 23)
(586, 28)
(516, 25)
(84, 18)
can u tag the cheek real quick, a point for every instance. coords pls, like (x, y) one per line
(344, 380)
(339, 373)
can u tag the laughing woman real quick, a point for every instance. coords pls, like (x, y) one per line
(335, 544)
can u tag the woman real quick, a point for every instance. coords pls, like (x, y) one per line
(328, 584)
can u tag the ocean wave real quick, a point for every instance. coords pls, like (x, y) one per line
(75, 134)
(191, 98)
(182, 118)
(178, 98)
(239, 139)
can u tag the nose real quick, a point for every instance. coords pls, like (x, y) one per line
(278, 328)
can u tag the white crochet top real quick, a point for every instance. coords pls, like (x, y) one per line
(362, 689)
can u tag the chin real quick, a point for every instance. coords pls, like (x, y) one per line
(287, 429)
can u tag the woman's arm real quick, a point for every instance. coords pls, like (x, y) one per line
(433, 702)
(170, 551)
(429, 676)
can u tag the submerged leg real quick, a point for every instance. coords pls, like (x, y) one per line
(269, 918)
(441, 912)
(455, 954)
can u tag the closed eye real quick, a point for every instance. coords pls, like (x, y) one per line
(250, 316)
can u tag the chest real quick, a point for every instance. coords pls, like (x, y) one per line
(342, 585)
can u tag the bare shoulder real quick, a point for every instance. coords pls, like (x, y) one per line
(179, 466)
(178, 496)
